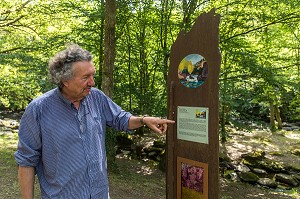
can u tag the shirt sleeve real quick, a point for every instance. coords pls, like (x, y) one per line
(114, 115)
(29, 145)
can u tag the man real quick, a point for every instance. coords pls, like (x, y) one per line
(62, 132)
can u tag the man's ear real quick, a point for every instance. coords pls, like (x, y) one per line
(65, 83)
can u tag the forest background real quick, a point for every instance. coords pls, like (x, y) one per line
(131, 40)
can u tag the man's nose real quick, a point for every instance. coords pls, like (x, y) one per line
(91, 81)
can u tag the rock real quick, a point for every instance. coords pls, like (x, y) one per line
(272, 166)
(296, 176)
(242, 168)
(294, 169)
(126, 152)
(259, 171)
(286, 179)
(152, 155)
(226, 166)
(267, 182)
(264, 163)
(254, 156)
(296, 152)
(223, 157)
(138, 150)
(291, 127)
(124, 140)
(15, 131)
(159, 144)
(158, 151)
(231, 175)
(248, 177)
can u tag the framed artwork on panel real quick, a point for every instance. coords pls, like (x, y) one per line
(192, 179)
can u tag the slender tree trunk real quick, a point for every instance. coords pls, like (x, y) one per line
(298, 60)
(107, 72)
(222, 121)
(272, 116)
(278, 118)
(101, 49)
(143, 72)
(223, 113)
(129, 68)
(165, 17)
(109, 48)
(188, 8)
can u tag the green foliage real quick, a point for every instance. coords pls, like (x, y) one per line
(260, 61)
(16, 88)
(294, 115)
(259, 42)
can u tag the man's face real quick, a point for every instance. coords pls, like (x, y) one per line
(80, 85)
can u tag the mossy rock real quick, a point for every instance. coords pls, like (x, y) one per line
(157, 150)
(252, 159)
(293, 168)
(296, 152)
(159, 144)
(223, 157)
(272, 166)
(264, 163)
(248, 177)
(287, 179)
(267, 182)
(124, 140)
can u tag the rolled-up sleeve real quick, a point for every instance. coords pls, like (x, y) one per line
(116, 116)
(113, 115)
(29, 146)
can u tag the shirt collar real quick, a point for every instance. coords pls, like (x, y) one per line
(65, 100)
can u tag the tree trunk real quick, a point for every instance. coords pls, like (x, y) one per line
(278, 118)
(129, 68)
(165, 17)
(188, 8)
(223, 102)
(222, 121)
(101, 48)
(109, 48)
(272, 116)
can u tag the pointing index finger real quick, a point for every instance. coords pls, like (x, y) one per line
(166, 121)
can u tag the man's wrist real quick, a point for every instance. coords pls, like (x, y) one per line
(142, 119)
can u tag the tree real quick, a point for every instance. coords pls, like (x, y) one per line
(109, 48)
(259, 42)
(253, 60)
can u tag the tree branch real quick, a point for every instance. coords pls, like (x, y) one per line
(291, 16)
(12, 22)
(10, 50)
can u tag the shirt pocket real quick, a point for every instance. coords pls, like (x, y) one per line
(98, 125)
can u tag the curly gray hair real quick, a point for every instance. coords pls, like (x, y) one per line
(60, 66)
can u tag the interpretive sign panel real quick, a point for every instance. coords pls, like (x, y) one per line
(193, 102)
(192, 124)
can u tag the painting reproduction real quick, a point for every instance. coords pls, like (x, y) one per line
(193, 70)
(192, 179)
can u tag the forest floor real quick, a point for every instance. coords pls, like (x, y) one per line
(143, 180)
(138, 179)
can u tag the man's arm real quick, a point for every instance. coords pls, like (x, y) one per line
(26, 181)
(157, 124)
